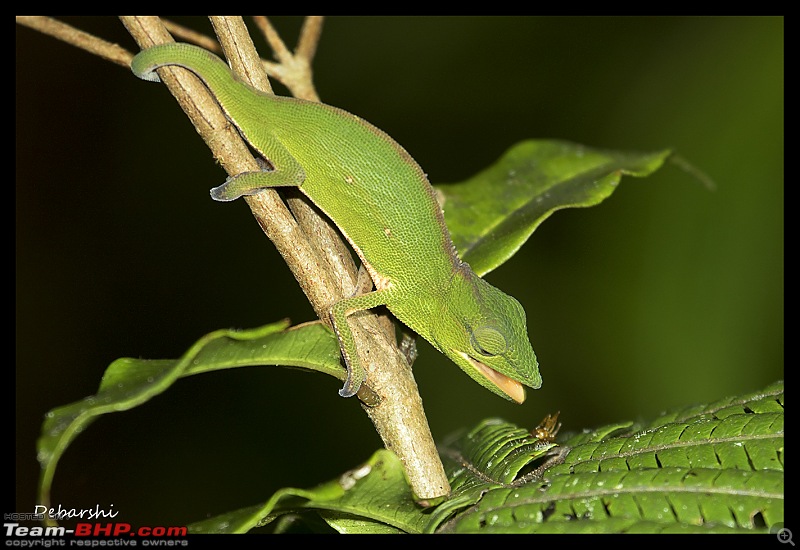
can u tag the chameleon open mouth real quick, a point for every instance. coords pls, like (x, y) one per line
(507, 385)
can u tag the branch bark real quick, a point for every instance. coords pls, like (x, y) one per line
(316, 255)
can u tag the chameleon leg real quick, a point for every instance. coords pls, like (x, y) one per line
(408, 343)
(250, 183)
(338, 315)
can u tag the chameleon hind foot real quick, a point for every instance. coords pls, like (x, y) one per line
(353, 382)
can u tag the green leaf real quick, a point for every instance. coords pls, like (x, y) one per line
(492, 214)
(709, 468)
(128, 383)
(630, 501)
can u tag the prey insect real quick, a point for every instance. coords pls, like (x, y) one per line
(547, 428)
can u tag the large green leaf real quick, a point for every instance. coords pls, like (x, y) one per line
(492, 214)
(714, 468)
(710, 468)
(128, 383)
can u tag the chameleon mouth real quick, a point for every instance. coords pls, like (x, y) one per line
(507, 385)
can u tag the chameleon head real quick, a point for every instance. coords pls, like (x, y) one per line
(483, 331)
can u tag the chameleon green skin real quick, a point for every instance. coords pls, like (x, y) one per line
(382, 202)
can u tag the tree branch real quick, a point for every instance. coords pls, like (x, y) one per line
(311, 246)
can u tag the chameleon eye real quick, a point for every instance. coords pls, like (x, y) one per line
(488, 341)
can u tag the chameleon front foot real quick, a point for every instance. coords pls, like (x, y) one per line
(248, 183)
(251, 183)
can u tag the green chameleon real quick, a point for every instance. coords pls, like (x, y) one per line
(382, 202)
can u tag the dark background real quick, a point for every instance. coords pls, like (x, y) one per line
(666, 294)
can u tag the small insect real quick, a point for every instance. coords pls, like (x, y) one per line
(547, 428)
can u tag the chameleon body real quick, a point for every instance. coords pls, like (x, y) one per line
(382, 202)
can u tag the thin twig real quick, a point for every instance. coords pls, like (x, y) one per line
(309, 38)
(76, 37)
(293, 70)
(190, 35)
(279, 49)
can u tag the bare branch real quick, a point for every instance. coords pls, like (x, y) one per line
(282, 53)
(293, 70)
(76, 37)
(190, 35)
(309, 38)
